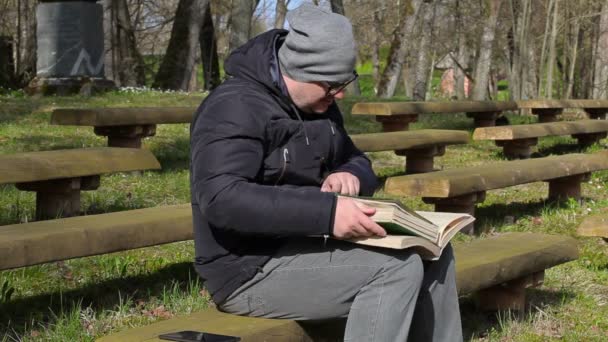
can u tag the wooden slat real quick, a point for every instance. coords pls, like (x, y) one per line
(547, 104)
(122, 116)
(33, 243)
(495, 175)
(540, 130)
(400, 108)
(46, 165)
(479, 265)
(408, 139)
(596, 225)
(487, 262)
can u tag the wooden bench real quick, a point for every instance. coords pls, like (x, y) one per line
(58, 176)
(457, 190)
(124, 127)
(595, 225)
(32, 243)
(419, 147)
(396, 116)
(498, 269)
(517, 140)
(548, 110)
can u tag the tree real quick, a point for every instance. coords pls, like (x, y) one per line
(280, 13)
(209, 57)
(552, 52)
(388, 81)
(423, 62)
(600, 82)
(484, 60)
(178, 65)
(338, 7)
(127, 63)
(241, 13)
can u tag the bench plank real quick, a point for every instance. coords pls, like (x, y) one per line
(122, 116)
(39, 242)
(421, 107)
(467, 180)
(540, 130)
(373, 142)
(595, 225)
(479, 264)
(47, 165)
(569, 103)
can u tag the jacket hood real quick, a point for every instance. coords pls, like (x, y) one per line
(257, 61)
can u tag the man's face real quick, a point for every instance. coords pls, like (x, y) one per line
(312, 97)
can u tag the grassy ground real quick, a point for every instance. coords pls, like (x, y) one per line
(81, 299)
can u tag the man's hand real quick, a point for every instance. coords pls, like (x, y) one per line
(343, 183)
(353, 220)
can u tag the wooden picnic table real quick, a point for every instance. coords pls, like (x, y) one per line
(124, 127)
(396, 116)
(548, 110)
(58, 176)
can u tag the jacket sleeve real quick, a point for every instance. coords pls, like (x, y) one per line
(355, 162)
(227, 143)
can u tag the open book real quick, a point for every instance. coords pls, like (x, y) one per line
(428, 232)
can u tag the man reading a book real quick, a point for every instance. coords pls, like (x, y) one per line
(269, 152)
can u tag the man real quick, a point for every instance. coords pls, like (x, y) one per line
(269, 152)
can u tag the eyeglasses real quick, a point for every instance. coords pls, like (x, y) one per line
(334, 88)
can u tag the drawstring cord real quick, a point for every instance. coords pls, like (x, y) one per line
(302, 122)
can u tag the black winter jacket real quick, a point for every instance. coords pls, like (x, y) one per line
(257, 167)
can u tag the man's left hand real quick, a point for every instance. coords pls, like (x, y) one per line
(343, 183)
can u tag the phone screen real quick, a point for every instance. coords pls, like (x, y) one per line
(197, 336)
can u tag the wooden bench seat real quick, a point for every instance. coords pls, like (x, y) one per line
(498, 269)
(595, 225)
(548, 110)
(419, 147)
(457, 190)
(32, 243)
(58, 176)
(396, 116)
(517, 140)
(124, 127)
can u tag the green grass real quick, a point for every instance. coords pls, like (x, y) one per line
(85, 298)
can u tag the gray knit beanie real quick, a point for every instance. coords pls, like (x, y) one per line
(319, 46)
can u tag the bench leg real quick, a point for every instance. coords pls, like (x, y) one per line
(396, 123)
(566, 187)
(547, 114)
(596, 113)
(588, 139)
(126, 136)
(460, 204)
(484, 119)
(59, 197)
(510, 295)
(518, 148)
(420, 160)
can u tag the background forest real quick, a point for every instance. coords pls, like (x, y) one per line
(422, 49)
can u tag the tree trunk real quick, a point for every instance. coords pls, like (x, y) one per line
(25, 62)
(573, 55)
(484, 60)
(399, 49)
(337, 7)
(176, 68)
(376, 49)
(7, 64)
(459, 75)
(552, 53)
(208, 43)
(127, 62)
(600, 81)
(544, 46)
(240, 22)
(423, 62)
(280, 13)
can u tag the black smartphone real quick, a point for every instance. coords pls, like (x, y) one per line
(197, 336)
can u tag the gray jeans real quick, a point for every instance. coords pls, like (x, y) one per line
(386, 295)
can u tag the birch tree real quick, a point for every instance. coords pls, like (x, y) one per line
(552, 52)
(423, 61)
(484, 60)
(600, 81)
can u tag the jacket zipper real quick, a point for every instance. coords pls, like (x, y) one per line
(284, 168)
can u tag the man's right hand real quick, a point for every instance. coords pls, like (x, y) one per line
(353, 220)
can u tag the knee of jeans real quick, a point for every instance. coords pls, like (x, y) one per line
(409, 268)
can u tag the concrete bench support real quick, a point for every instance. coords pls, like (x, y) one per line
(396, 123)
(510, 295)
(566, 187)
(517, 148)
(547, 114)
(484, 119)
(420, 160)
